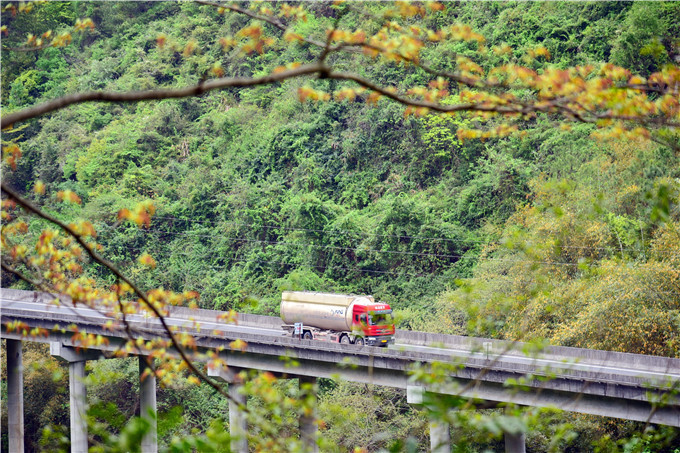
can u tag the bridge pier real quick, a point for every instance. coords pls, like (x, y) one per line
(515, 443)
(78, 406)
(440, 432)
(307, 421)
(77, 391)
(147, 405)
(15, 395)
(238, 424)
(440, 437)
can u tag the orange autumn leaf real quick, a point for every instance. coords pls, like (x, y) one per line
(147, 260)
(238, 344)
(161, 40)
(68, 196)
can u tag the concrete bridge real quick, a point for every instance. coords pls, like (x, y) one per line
(619, 385)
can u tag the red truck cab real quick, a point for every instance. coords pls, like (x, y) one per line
(373, 323)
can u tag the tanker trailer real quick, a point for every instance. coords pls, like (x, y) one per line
(338, 318)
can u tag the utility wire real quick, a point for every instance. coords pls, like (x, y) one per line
(312, 230)
(326, 247)
(359, 249)
(214, 224)
(509, 260)
(361, 270)
(358, 270)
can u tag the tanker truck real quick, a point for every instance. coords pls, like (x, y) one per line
(338, 318)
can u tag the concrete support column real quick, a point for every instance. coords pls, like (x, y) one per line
(78, 409)
(440, 437)
(78, 393)
(308, 425)
(147, 406)
(440, 432)
(15, 396)
(238, 426)
(515, 443)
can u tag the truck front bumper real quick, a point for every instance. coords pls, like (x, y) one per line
(380, 341)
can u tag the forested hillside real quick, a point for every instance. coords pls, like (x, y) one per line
(554, 232)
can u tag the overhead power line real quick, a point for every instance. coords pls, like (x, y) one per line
(368, 250)
(313, 230)
(508, 260)
(257, 260)
(464, 242)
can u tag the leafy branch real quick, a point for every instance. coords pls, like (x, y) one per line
(32, 208)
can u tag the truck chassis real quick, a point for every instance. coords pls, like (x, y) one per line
(334, 336)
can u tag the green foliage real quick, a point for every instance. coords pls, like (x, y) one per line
(585, 269)
(546, 234)
(499, 183)
(359, 416)
(639, 44)
(24, 89)
(45, 392)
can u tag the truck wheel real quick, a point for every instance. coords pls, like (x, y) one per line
(345, 339)
(359, 341)
(307, 335)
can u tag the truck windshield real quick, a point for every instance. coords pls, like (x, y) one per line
(380, 319)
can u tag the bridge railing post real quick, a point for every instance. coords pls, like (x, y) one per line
(15, 395)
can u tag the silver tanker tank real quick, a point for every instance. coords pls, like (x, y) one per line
(321, 310)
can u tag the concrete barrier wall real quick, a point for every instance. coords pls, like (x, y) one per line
(259, 320)
(581, 355)
(244, 319)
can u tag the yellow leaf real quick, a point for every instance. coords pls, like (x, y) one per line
(68, 196)
(226, 43)
(161, 40)
(190, 48)
(146, 260)
(39, 188)
(217, 70)
(193, 380)
(290, 36)
(238, 344)
(230, 317)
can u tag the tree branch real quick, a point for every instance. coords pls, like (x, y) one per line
(135, 96)
(30, 207)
